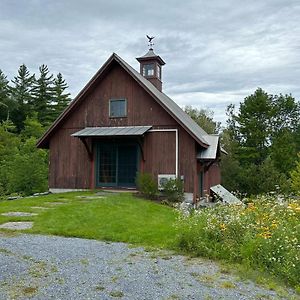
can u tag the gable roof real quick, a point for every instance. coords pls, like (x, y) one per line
(168, 104)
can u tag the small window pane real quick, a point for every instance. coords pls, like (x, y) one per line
(117, 108)
(148, 70)
(158, 72)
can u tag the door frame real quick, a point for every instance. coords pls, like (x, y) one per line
(115, 143)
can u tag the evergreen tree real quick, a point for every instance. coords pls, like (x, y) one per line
(264, 136)
(6, 104)
(43, 98)
(62, 99)
(21, 95)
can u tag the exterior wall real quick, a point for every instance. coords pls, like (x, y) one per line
(70, 166)
(212, 177)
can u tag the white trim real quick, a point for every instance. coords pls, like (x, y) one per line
(176, 145)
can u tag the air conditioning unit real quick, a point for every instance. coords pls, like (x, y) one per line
(163, 178)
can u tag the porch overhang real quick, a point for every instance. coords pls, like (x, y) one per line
(111, 131)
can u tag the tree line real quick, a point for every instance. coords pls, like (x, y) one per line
(28, 105)
(27, 95)
(262, 138)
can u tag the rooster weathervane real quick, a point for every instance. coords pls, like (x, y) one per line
(151, 44)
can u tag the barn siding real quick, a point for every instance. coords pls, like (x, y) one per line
(70, 166)
(212, 177)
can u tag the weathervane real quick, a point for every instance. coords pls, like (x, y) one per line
(151, 44)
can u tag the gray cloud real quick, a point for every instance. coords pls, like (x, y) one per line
(217, 52)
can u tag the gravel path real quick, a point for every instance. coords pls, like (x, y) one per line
(47, 267)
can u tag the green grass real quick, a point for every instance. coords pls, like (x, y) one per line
(125, 218)
(117, 217)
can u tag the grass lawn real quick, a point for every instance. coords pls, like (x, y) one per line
(115, 217)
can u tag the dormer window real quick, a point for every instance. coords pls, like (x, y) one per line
(148, 70)
(117, 108)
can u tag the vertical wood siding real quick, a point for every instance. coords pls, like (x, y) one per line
(70, 166)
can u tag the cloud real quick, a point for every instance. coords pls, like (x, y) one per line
(217, 52)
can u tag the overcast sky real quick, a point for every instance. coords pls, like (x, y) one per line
(216, 52)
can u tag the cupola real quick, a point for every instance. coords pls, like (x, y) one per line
(151, 66)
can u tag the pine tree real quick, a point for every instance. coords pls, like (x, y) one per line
(62, 99)
(43, 97)
(6, 104)
(21, 95)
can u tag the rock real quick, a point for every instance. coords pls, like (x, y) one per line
(186, 208)
(41, 194)
(18, 214)
(14, 197)
(17, 225)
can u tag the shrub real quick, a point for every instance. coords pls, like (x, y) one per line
(173, 190)
(28, 170)
(264, 234)
(295, 177)
(146, 185)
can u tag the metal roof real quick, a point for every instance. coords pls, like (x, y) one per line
(211, 151)
(151, 54)
(111, 131)
(169, 104)
(225, 195)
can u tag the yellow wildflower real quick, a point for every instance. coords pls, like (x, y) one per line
(222, 227)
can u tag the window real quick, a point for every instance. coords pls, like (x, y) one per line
(158, 71)
(148, 70)
(118, 108)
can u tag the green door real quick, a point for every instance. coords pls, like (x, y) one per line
(201, 185)
(117, 164)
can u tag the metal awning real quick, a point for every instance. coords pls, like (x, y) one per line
(111, 131)
(211, 152)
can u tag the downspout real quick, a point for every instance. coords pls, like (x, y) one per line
(176, 146)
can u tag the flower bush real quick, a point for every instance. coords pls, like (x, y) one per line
(265, 234)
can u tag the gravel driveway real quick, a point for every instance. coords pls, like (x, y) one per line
(48, 267)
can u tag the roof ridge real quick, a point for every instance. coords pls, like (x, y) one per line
(165, 101)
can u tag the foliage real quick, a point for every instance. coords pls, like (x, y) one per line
(204, 118)
(173, 190)
(295, 177)
(62, 99)
(21, 95)
(23, 167)
(28, 169)
(146, 185)
(5, 101)
(42, 93)
(45, 96)
(264, 234)
(27, 107)
(262, 140)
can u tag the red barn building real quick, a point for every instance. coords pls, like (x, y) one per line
(122, 123)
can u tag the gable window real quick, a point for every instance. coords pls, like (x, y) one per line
(148, 70)
(117, 108)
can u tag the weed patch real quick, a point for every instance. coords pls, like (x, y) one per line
(264, 235)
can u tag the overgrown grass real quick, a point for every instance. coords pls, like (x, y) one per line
(115, 217)
(263, 235)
